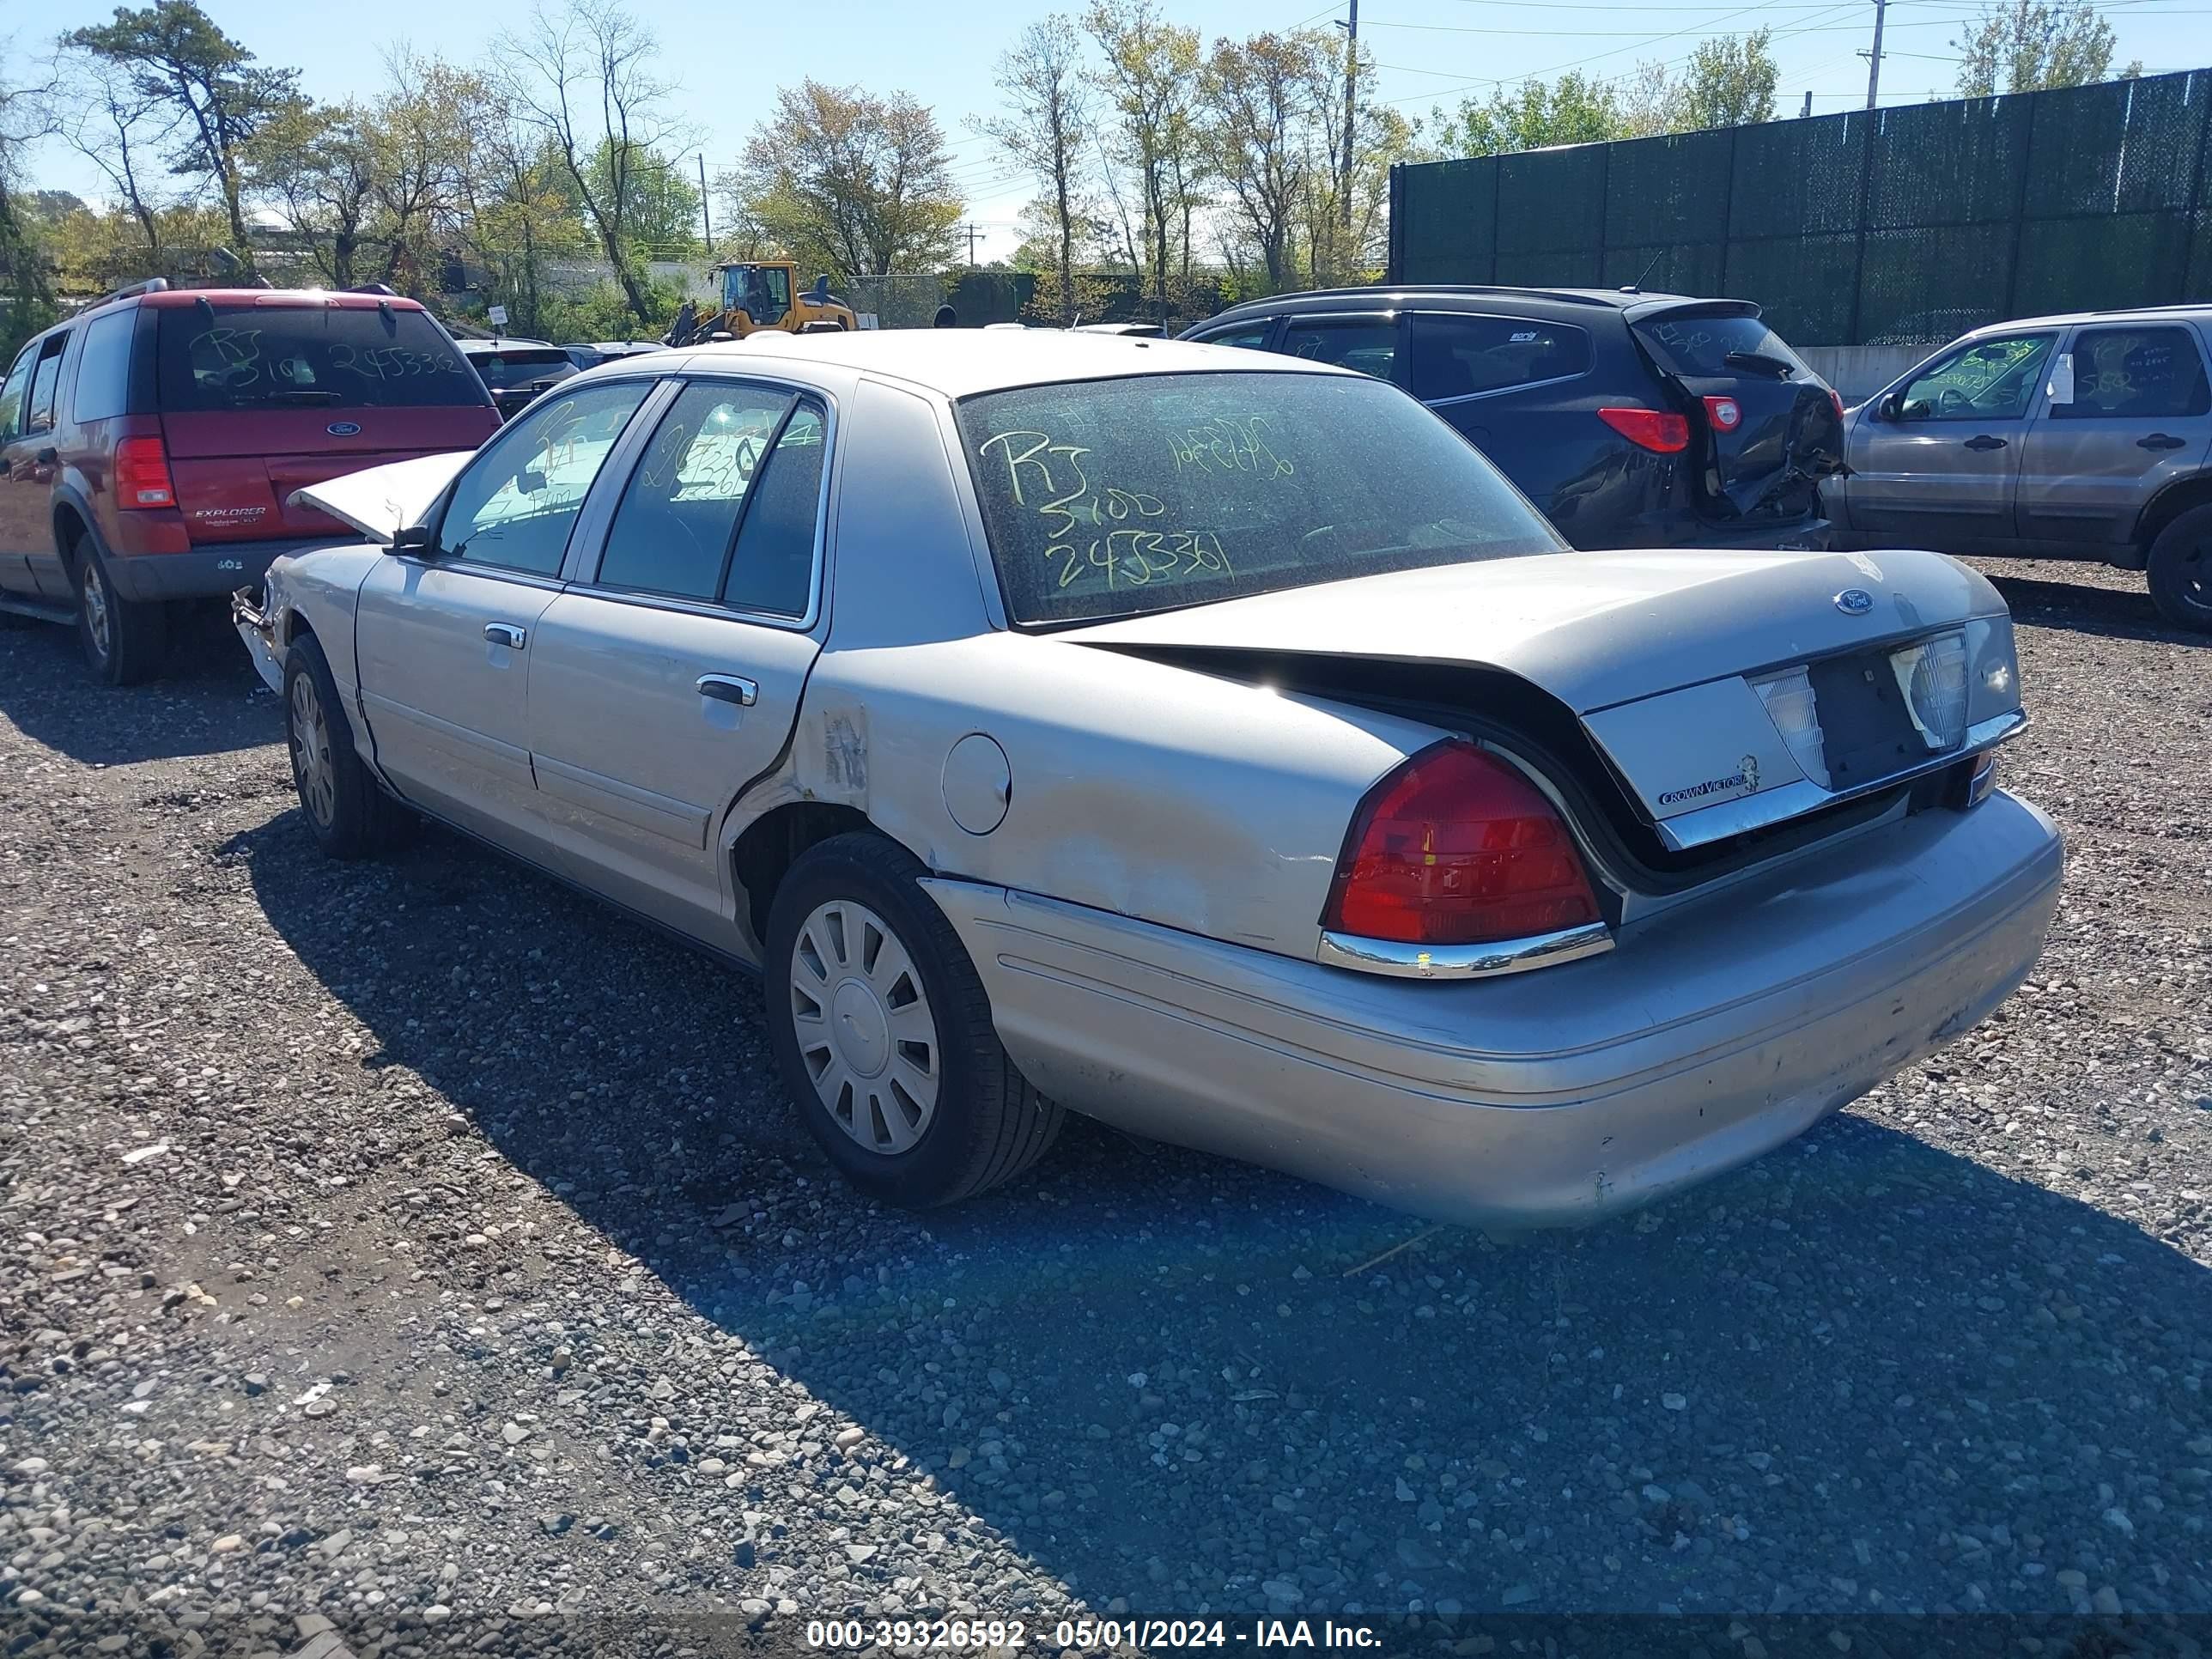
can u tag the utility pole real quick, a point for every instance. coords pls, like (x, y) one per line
(1874, 57)
(1351, 112)
(973, 231)
(706, 212)
(1807, 110)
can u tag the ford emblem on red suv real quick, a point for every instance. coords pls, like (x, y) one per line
(343, 428)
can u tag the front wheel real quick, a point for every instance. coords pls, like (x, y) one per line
(883, 1031)
(349, 814)
(2180, 570)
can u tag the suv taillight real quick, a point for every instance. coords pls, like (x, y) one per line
(141, 474)
(1457, 848)
(1655, 429)
(1725, 413)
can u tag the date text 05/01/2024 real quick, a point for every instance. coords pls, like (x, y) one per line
(1087, 1635)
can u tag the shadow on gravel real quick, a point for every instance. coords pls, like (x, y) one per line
(1861, 1374)
(209, 701)
(2086, 608)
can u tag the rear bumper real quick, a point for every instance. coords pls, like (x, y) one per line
(204, 573)
(1711, 1035)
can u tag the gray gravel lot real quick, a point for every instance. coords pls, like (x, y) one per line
(412, 1242)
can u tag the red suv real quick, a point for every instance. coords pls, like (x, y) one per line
(152, 442)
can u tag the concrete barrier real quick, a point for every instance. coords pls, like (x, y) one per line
(1859, 372)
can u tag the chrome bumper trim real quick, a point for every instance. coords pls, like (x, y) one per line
(1510, 955)
(1734, 817)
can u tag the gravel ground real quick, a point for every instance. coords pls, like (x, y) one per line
(406, 1242)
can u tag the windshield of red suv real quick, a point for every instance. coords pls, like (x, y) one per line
(1108, 498)
(319, 356)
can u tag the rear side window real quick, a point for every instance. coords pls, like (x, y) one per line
(309, 356)
(12, 395)
(673, 532)
(45, 379)
(1459, 357)
(773, 568)
(2145, 374)
(103, 368)
(1702, 345)
(1252, 337)
(1369, 344)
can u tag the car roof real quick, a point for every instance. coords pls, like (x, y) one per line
(1633, 303)
(174, 298)
(506, 344)
(961, 362)
(2178, 312)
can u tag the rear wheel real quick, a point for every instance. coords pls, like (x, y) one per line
(124, 640)
(2180, 570)
(349, 814)
(883, 1031)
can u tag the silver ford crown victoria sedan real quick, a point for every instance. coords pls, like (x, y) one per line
(1211, 743)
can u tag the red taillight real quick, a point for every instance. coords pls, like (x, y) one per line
(1725, 413)
(1457, 848)
(1654, 429)
(141, 474)
(1837, 399)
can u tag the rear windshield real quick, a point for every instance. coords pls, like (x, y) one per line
(316, 356)
(1110, 498)
(520, 366)
(1706, 346)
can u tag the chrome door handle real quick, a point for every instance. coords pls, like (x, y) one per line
(507, 634)
(730, 688)
(1986, 441)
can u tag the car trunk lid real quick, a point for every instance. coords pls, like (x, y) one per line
(1703, 677)
(1767, 429)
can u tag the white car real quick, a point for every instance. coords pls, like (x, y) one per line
(1210, 742)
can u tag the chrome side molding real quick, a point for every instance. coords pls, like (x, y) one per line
(1510, 956)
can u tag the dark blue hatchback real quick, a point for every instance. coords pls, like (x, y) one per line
(1631, 419)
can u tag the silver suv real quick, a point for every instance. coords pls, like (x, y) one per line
(2087, 436)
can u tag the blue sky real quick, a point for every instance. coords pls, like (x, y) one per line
(1429, 50)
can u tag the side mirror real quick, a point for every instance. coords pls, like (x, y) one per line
(416, 541)
(1890, 407)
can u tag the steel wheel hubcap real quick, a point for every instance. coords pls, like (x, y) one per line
(311, 752)
(96, 609)
(865, 1031)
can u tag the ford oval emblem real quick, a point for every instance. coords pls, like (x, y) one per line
(348, 428)
(1855, 602)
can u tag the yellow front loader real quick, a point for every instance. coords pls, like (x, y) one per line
(761, 294)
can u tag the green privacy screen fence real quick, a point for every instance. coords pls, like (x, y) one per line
(1903, 225)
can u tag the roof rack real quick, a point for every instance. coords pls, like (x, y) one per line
(151, 285)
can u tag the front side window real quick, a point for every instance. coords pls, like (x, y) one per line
(12, 394)
(1457, 357)
(515, 504)
(2141, 373)
(45, 379)
(1369, 344)
(763, 292)
(1108, 498)
(1986, 380)
(678, 519)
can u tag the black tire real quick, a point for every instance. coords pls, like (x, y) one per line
(2180, 570)
(347, 810)
(126, 641)
(986, 1124)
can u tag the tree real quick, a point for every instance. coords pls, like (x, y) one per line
(1149, 80)
(853, 182)
(1575, 109)
(1728, 82)
(26, 301)
(104, 115)
(583, 76)
(1264, 99)
(436, 127)
(2028, 45)
(217, 92)
(1049, 110)
(316, 167)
